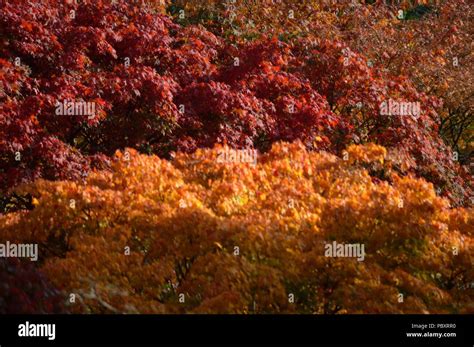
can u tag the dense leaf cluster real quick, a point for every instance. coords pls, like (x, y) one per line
(134, 209)
(160, 87)
(198, 234)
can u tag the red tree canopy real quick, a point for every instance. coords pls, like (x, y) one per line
(160, 87)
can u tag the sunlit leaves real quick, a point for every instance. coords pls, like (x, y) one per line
(207, 236)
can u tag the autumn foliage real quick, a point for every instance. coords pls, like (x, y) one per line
(241, 238)
(134, 212)
(160, 87)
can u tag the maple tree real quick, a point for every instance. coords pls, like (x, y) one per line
(198, 235)
(433, 52)
(114, 114)
(160, 87)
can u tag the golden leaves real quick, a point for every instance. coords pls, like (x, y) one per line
(229, 234)
(366, 153)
